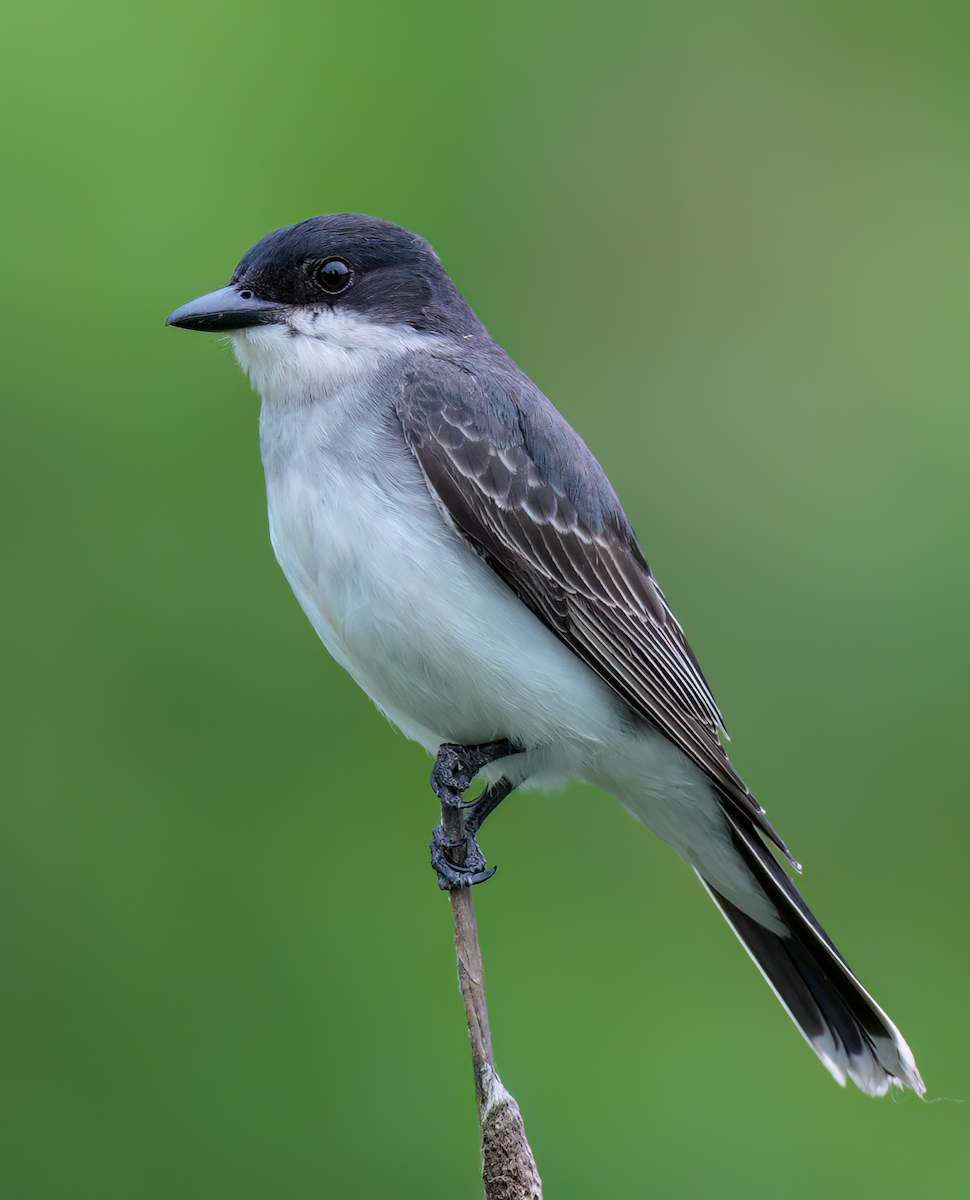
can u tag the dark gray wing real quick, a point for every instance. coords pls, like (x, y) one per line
(540, 511)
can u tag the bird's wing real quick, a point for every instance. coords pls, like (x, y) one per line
(542, 514)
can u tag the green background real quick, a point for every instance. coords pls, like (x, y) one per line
(730, 240)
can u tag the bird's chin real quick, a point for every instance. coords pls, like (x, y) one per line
(262, 351)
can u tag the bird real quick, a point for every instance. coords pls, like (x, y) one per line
(461, 553)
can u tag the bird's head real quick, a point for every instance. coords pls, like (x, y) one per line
(346, 281)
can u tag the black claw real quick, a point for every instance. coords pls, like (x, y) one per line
(452, 874)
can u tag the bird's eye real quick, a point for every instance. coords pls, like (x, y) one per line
(334, 276)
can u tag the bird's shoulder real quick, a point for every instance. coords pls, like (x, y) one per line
(500, 430)
(524, 487)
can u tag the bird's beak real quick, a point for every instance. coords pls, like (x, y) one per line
(229, 308)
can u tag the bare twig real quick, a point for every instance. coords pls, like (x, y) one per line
(508, 1167)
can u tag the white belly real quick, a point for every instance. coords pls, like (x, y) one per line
(423, 625)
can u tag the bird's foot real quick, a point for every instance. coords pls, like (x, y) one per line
(455, 854)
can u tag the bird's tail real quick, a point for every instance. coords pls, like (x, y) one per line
(836, 1015)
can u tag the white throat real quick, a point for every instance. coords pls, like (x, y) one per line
(317, 352)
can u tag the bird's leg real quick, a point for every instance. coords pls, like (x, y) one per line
(456, 766)
(455, 854)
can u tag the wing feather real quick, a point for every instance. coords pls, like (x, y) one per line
(542, 514)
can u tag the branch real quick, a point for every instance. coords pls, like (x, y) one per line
(508, 1167)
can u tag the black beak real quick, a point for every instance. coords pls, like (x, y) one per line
(229, 308)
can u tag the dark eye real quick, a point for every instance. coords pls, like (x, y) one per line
(334, 276)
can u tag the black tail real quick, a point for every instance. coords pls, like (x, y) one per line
(838, 1018)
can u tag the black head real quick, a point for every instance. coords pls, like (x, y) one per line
(356, 263)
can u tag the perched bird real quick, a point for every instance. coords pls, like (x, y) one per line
(462, 554)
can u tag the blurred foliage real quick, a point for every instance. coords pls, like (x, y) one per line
(731, 242)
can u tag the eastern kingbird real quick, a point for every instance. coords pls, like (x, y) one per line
(462, 554)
